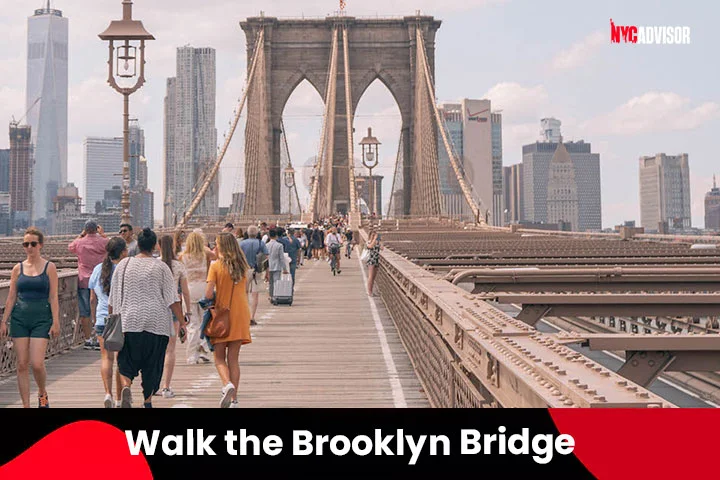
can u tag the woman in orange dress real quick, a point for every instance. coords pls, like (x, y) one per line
(227, 278)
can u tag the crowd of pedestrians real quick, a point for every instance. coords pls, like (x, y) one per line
(164, 290)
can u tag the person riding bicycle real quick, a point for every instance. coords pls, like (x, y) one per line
(349, 242)
(334, 244)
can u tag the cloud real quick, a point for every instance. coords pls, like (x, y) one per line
(653, 112)
(518, 102)
(579, 52)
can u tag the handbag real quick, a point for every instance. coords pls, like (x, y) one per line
(219, 324)
(113, 336)
(365, 255)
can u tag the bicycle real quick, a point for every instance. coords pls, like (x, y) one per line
(334, 252)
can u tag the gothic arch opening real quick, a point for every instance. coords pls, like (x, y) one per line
(378, 109)
(302, 115)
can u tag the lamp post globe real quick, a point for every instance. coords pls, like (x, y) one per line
(370, 159)
(125, 39)
(289, 180)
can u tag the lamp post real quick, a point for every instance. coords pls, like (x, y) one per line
(130, 36)
(370, 146)
(289, 179)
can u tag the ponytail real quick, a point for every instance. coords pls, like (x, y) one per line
(114, 248)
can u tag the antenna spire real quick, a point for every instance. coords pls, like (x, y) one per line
(714, 182)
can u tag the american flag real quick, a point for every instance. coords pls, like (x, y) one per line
(343, 4)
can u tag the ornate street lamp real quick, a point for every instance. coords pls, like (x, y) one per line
(289, 179)
(126, 37)
(370, 158)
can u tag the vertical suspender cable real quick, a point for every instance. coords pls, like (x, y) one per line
(349, 115)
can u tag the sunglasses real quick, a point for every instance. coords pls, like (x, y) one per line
(124, 231)
(28, 244)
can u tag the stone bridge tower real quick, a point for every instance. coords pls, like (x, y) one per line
(300, 49)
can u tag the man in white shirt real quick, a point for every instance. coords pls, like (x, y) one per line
(276, 259)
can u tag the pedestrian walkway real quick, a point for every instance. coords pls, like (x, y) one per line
(334, 347)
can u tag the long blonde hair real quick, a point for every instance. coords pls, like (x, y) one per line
(195, 246)
(231, 256)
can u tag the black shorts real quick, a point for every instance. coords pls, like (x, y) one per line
(143, 352)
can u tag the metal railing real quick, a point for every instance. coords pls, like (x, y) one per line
(469, 354)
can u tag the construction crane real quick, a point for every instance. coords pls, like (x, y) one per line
(18, 122)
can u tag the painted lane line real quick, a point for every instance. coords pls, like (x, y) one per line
(395, 386)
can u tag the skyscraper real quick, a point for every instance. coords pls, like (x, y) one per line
(4, 170)
(190, 134)
(497, 170)
(712, 208)
(21, 174)
(513, 194)
(136, 142)
(450, 191)
(665, 192)
(47, 104)
(550, 130)
(478, 150)
(536, 176)
(562, 194)
(476, 138)
(102, 168)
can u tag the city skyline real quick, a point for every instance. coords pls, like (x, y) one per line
(634, 108)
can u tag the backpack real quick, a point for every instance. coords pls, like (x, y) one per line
(261, 260)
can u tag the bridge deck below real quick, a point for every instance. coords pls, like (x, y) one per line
(327, 350)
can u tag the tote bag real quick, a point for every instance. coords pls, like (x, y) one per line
(113, 335)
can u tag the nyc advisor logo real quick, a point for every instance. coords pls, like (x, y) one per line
(649, 35)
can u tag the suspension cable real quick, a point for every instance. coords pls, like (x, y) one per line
(475, 206)
(332, 75)
(349, 115)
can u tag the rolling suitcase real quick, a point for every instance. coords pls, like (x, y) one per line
(283, 291)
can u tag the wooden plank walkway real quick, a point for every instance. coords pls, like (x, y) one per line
(327, 350)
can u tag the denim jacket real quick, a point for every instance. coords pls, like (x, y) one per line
(205, 304)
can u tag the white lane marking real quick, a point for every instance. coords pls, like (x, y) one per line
(395, 386)
(666, 382)
(202, 384)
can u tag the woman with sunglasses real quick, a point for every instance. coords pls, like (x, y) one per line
(32, 309)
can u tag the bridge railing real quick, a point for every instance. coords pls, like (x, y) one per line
(468, 353)
(68, 316)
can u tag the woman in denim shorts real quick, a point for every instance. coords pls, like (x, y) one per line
(99, 285)
(32, 307)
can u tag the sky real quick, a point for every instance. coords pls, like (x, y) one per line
(531, 59)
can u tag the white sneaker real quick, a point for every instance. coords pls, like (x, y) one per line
(227, 393)
(168, 393)
(108, 402)
(194, 360)
(234, 404)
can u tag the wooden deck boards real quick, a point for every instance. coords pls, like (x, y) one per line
(324, 351)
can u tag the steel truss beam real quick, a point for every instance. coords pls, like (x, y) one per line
(537, 306)
(647, 356)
